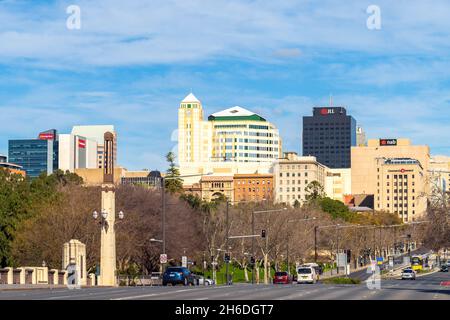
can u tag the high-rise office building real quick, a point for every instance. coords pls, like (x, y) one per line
(35, 155)
(76, 152)
(3, 158)
(400, 186)
(231, 141)
(329, 135)
(96, 133)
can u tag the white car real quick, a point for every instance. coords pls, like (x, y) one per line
(204, 282)
(408, 274)
(306, 275)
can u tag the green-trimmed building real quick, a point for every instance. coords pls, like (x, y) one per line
(234, 135)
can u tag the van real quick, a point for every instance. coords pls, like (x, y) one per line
(306, 274)
(316, 267)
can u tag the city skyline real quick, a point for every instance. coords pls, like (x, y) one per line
(394, 85)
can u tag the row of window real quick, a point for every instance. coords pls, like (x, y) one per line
(293, 182)
(292, 174)
(293, 189)
(253, 182)
(253, 189)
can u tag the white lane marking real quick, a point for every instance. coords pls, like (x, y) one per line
(150, 295)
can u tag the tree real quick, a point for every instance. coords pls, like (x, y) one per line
(314, 191)
(173, 183)
(336, 209)
(297, 204)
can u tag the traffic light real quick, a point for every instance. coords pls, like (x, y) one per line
(263, 233)
(349, 255)
(252, 260)
(227, 257)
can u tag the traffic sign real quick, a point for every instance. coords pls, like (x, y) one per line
(184, 261)
(163, 258)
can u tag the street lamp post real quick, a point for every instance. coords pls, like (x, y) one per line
(104, 227)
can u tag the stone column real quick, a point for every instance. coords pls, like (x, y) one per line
(108, 238)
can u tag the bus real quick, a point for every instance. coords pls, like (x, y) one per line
(417, 262)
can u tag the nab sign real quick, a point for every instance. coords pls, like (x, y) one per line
(388, 142)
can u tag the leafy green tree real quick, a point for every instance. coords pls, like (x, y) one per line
(173, 183)
(336, 209)
(297, 204)
(314, 191)
(21, 200)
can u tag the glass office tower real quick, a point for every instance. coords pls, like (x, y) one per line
(329, 135)
(35, 155)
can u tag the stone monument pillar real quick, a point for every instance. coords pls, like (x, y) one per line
(74, 257)
(108, 235)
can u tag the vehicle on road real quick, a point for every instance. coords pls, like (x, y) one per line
(418, 262)
(281, 277)
(306, 274)
(444, 268)
(178, 275)
(408, 274)
(202, 281)
(316, 267)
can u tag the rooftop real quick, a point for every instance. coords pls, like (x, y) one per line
(236, 113)
(191, 98)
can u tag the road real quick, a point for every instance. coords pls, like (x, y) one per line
(425, 287)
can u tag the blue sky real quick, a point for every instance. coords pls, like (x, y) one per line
(132, 62)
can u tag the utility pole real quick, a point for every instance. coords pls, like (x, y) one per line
(226, 242)
(253, 247)
(163, 199)
(315, 243)
(337, 248)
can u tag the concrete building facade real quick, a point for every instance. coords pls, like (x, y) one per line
(439, 173)
(232, 141)
(96, 133)
(292, 174)
(77, 152)
(364, 160)
(401, 188)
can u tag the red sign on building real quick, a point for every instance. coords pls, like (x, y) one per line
(46, 136)
(81, 143)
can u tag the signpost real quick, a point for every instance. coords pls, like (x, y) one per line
(163, 258)
(184, 261)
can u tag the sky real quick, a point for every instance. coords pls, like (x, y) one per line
(131, 63)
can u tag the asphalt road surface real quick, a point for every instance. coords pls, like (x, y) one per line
(425, 287)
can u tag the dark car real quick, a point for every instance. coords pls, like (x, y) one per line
(178, 275)
(444, 268)
(281, 277)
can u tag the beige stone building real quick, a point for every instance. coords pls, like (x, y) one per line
(400, 188)
(439, 173)
(293, 173)
(364, 160)
(338, 183)
(213, 187)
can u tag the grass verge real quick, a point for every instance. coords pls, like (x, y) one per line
(341, 280)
